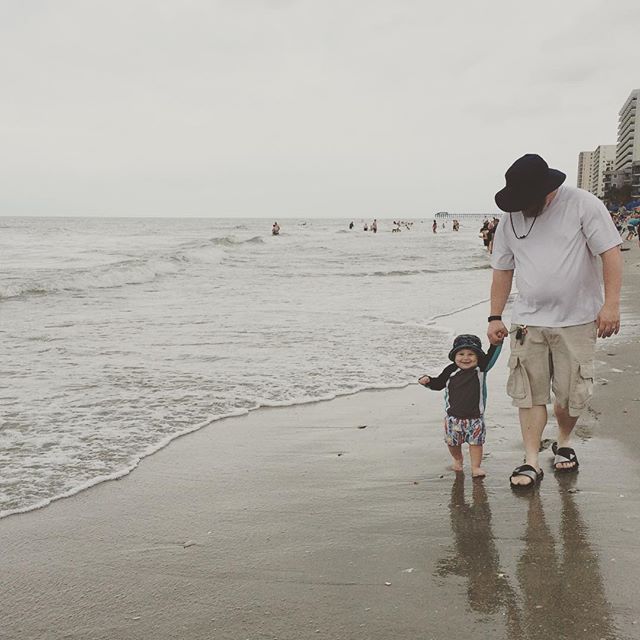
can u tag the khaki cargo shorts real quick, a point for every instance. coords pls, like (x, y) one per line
(553, 358)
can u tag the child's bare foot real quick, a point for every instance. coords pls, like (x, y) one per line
(478, 472)
(456, 457)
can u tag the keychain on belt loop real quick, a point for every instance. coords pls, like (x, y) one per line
(521, 332)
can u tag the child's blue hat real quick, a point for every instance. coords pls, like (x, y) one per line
(466, 341)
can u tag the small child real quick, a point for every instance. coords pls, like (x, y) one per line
(465, 398)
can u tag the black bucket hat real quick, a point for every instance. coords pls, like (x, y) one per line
(466, 341)
(528, 179)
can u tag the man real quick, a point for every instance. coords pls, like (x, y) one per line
(551, 235)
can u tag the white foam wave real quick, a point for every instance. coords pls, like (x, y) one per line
(103, 277)
(117, 475)
(127, 272)
(232, 241)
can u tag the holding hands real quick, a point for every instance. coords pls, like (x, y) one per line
(497, 332)
(424, 380)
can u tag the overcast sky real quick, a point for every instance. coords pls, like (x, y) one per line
(352, 108)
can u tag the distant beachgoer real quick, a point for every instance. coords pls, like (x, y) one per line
(351, 225)
(486, 234)
(366, 227)
(434, 227)
(632, 227)
(275, 230)
(374, 226)
(465, 398)
(618, 221)
(490, 233)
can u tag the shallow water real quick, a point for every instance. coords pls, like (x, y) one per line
(120, 334)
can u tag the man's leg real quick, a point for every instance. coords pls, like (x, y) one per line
(572, 350)
(566, 423)
(532, 424)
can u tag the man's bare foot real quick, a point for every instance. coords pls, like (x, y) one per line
(478, 473)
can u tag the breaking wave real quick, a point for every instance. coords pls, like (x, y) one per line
(132, 271)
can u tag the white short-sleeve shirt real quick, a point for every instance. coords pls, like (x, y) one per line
(556, 266)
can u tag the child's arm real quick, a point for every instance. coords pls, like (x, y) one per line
(491, 357)
(441, 381)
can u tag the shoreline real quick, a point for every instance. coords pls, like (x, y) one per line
(118, 475)
(167, 441)
(296, 522)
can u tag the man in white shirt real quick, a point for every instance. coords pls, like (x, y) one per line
(551, 235)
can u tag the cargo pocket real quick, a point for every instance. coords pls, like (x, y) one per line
(518, 382)
(581, 388)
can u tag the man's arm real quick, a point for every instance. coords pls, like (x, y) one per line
(608, 320)
(500, 290)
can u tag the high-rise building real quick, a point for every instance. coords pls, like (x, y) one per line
(603, 160)
(628, 148)
(584, 170)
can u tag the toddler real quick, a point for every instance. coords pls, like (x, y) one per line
(465, 397)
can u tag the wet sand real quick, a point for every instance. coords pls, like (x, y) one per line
(298, 523)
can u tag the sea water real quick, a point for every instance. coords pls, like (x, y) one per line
(118, 335)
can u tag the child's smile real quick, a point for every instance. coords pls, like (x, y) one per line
(466, 359)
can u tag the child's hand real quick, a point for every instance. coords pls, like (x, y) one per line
(425, 380)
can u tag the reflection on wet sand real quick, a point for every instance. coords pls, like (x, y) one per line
(559, 592)
(475, 555)
(562, 587)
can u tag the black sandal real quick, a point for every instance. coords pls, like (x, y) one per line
(563, 455)
(528, 471)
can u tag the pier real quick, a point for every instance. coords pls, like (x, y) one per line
(448, 215)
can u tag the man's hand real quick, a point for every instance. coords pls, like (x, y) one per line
(497, 332)
(425, 380)
(608, 321)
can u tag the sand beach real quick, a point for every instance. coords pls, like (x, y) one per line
(234, 236)
(340, 519)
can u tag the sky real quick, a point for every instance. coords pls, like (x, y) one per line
(300, 108)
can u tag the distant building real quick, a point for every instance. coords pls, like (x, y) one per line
(602, 160)
(584, 170)
(627, 165)
(616, 179)
(594, 168)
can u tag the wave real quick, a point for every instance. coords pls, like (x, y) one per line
(412, 272)
(232, 241)
(402, 272)
(117, 475)
(132, 271)
(453, 312)
(117, 274)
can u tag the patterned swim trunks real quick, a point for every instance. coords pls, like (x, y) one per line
(460, 430)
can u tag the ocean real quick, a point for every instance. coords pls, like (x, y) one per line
(120, 334)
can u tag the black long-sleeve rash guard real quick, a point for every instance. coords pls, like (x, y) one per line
(466, 389)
